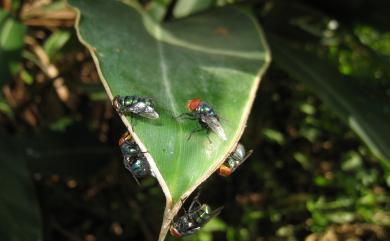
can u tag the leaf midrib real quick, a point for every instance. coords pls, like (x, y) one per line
(168, 90)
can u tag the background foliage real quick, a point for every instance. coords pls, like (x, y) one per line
(312, 175)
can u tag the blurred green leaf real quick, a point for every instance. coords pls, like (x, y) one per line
(185, 8)
(274, 135)
(365, 112)
(11, 42)
(341, 217)
(310, 133)
(351, 160)
(322, 181)
(215, 224)
(307, 108)
(5, 108)
(285, 231)
(26, 77)
(19, 213)
(55, 42)
(157, 10)
(3, 16)
(303, 160)
(11, 35)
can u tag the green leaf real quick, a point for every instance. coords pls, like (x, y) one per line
(11, 42)
(218, 56)
(341, 217)
(364, 111)
(19, 212)
(185, 8)
(55, 42)
(11, 35)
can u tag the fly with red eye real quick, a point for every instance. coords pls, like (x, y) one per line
(206, 117)
(234, 160)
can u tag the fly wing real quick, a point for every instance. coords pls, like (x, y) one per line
(192, 230)
(216, 212)
(150, 113)
(213, 123)
(136, 108)
(144, 110)
(244, 159)
(212, 215)
(135, 178)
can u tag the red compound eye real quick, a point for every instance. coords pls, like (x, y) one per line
(193, 104)
(225, 171)
(125, 137)
(175, 233)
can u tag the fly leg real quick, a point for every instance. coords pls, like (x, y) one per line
(194, 202)
(127, 164)
(132, 122)
(201, 128)
(192, 132)
(136, 179)
(186, 115)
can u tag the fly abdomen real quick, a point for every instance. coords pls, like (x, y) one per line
(130, 100)
(205, 109)
(133, 158)
(139, 167)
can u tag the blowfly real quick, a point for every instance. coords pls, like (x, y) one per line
(197, 215)
(134, 159)
(142, 106)
(206, 116)
(234, 160)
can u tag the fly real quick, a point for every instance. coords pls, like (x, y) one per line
(197, 215)
(234, 160)
(134, 159)
(142, 106)
(206, 116)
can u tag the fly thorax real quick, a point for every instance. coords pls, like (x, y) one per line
(130, 149)
(231, 162)
(129, 100)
